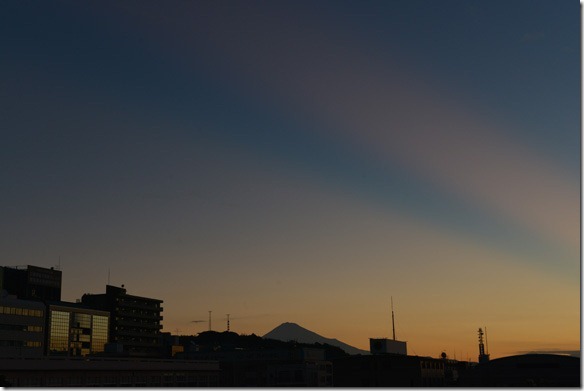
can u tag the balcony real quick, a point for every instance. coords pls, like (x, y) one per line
(146, 325)
(130, 314)
(137, 333)
(139, 305)
(129, 342)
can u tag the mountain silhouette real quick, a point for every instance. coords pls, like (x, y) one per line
(293, 332)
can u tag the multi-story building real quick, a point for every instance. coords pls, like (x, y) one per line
(22, 327)
(31, 283)
(134, 321)
(75, 330)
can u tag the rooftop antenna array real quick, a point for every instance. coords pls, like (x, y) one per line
(227, 322)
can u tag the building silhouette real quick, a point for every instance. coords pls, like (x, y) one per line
(134, 321)
(33, 282)
(108, 372)
(528, 370)
(388, 370)
(385, 345)
(114, 339)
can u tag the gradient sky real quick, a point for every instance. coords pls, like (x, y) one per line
(303, 161)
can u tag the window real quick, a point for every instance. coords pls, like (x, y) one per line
(99, 333)
(82, 320)
(59, 331)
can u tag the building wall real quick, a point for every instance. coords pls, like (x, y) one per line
(389, 370)
(300, 374)
(297, 367)
(103, 372)
(385, 346)
(76, 331)
(22, 327)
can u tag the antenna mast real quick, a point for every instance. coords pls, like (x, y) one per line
(483, 357)
(392, 319)
(227, 322)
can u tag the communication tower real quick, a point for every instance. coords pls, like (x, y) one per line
(483, 357)
(386, 345)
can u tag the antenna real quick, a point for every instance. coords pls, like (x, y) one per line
(392, 319)
(486, 340)
(483, 357)
(209, 320)
(227, 322)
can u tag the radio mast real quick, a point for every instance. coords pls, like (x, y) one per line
(483, 357)
(392, 319)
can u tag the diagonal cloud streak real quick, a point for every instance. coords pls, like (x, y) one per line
(372, 102)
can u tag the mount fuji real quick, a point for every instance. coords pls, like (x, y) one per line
(293, 332)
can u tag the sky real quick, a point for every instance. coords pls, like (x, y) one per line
(303, 161)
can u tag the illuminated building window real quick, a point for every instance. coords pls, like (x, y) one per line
(59, 333)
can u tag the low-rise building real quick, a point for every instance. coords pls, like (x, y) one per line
(527, 370)
(22, 327)
(296, 367)
(108, 372)
(388, 370)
